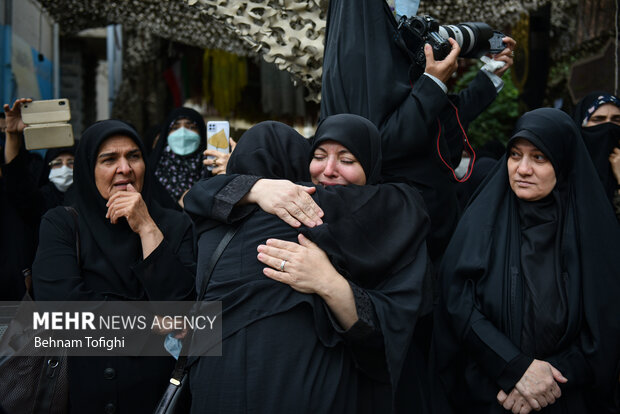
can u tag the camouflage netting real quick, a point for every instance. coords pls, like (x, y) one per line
(289, 33)
(169, 19)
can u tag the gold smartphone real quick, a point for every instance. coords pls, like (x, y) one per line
(48, 125)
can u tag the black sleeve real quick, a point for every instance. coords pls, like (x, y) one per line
(21, 184)
(216, 197)
(169, 275)
(494, 352)
(409, 127)
(364, 337)
(56, 274)
(165, 274)
(474, 99)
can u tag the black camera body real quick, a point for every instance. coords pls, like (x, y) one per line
(474, 38)
(418, 31)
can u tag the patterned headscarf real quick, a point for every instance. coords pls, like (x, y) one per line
(598, 102)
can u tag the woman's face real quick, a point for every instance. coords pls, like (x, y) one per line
(530, 173)
(63, 159)
(119, 163)
(333, 164)
(184, 123)
(605, 113)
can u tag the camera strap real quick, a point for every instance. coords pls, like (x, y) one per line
(467, 147)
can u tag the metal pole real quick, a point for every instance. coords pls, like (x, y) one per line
(110, 56)
(56, 61)
(6, 75)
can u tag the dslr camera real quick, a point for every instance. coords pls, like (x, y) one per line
(474, 38)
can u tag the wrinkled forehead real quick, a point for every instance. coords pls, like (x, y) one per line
(117, 144)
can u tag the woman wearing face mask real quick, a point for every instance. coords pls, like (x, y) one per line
(29, 187)
(58, 167)
(598, 116)
(529, 284)
(178, 156)
(318, 321)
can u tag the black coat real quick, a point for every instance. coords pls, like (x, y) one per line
(504, 304)
(365, 72)
(111, 268)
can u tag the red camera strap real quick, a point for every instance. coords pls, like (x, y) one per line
(467, 148)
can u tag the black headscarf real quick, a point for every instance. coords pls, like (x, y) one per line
(359, 135)
(600, 141)
(119, 246)
(489, 273)
(271, 149)
(177, 173)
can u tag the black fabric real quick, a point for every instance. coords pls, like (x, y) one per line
(19, 223)
(482, 168)
(322, 368)
(600, 141)
(111, 267)
(358, 135)
(271, 150)
(178, 173)
(494, 265)
(365, 72)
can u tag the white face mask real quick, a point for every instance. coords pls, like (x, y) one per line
(61, 177)
(461, 170)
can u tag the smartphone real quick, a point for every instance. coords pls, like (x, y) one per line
(218, 134)
(47, 124)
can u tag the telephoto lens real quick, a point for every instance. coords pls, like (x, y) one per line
(474, 38)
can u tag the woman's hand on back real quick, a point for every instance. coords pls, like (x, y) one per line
(287, 200)
(307, 269)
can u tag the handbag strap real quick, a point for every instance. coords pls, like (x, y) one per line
(213, 261)
(179, 368)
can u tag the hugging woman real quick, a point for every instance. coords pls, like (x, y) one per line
(288, 346)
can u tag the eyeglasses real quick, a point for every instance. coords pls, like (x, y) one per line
(59, 163)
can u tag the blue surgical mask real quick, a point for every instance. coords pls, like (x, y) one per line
(61, 177)
(173, 345)
(183, 141)
(407, 8)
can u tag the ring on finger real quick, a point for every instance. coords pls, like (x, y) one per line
(282, 265)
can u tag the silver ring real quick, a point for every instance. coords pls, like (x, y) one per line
(282, 265)
(512, 53)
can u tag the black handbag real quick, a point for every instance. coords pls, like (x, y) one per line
(177, 398)
(33, 383)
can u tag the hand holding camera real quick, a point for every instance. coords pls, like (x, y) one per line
(442, 69)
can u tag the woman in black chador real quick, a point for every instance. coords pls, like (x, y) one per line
(321, 326)
(598, 117)
(528, 313)
(130, 249)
